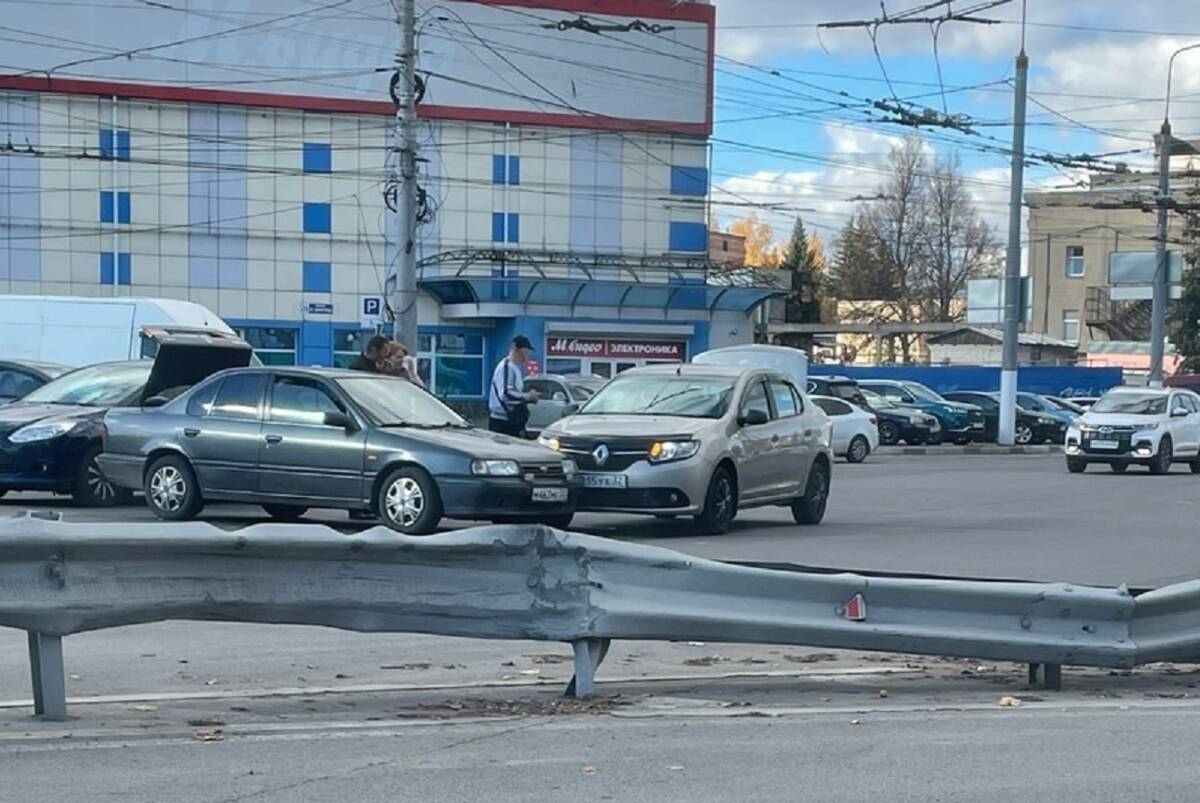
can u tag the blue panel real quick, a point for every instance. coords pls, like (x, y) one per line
(106, 143)
(514, 227)
(203, 271)
(317, 218)
(689, 237)
(123, 145)
(318, 157)
(497, 168)
(106, 268)
(497, 227)
(317, 277)
(106, 207)
(689, 180)
(1054, 380)
(123, 207)
(514, 170)
(316, 343)
(124, 269)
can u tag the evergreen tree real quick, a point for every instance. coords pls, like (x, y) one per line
(806, 265)
(1185, 319)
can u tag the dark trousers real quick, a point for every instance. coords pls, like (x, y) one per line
(505, 428)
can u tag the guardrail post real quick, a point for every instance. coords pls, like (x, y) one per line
(49, 680)
(589, 653)
(1046, 676)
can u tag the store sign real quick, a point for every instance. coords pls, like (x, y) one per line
(600, 348)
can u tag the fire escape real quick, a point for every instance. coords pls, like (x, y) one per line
(1121, 319)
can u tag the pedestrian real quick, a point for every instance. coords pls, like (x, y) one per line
(395, 360)
(369, 359)
(508, 401)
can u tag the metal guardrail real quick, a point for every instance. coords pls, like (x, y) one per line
(530, 582)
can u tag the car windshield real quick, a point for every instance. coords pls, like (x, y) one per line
(921, 392)
(97, 386)
(684, 396)
(1131, 404)
(392, 402)
(843, 390)
(1063, 404)
(877, 401)
(582, 391)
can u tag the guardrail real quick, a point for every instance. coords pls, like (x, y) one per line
(531, 582)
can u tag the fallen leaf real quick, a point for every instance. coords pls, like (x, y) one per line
(531, 671)
(209, 736)
(550, 658)
(588, 770)
(210, 682)
(856, 722)
(144, 708)
(1010, 702)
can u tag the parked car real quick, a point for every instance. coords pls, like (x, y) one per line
(1029, 427)
(855, 430)
(561, 396)
(699, 440)
(961, 423)
(792, 363)
(1036, 403)
(906, 424)
(21, 377)
(291, 439)
(1153, 427)
(836, 387)
(50, 440)
(1069, 405)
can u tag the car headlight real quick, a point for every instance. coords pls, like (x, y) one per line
(549, 441)
(1148, 427)
(42, 432)
(666, 451)
(495, 468)
(1046, 420)
(569, 469)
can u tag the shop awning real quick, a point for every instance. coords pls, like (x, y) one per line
(587, 293)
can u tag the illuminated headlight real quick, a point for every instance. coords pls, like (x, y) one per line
(495, 468)
(42, 432)
(569, 469)
(666, 451)
(549, 441)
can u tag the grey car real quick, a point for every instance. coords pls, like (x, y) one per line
(291, 439)
(699, 440)
(561, 396)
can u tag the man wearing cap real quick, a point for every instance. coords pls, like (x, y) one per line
(508, 401)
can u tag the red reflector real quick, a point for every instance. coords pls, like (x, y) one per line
(856, 608)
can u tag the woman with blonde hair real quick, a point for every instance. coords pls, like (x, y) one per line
(395, 360)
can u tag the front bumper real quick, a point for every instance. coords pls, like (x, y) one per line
(1131, 447)
(495, 497)
(677, 488)
(51, 465)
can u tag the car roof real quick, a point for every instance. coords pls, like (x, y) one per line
(1143, 390)
(695, 369)
(833, 378)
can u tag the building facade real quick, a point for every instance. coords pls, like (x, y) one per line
(578, 223)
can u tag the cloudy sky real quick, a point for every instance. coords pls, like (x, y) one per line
(786, 133)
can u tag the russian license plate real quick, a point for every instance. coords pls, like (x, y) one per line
(1105, 444)
(549, 494)
(977, 425)
(603, 480)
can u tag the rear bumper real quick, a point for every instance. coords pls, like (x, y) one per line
(488, 497)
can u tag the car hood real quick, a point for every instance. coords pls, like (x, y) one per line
(478, 443)
(17, 415)
(1116, 420)
(609, 426)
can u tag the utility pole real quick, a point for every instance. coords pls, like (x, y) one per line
(1158, 320)
(404, 179)
(1013, 301)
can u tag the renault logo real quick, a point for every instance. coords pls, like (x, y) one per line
(600, 454)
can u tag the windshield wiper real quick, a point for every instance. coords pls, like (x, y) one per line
(416, 425)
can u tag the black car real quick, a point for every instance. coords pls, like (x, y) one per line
(897, 423)
(50, 439)
(837, 387)
(290, 439)
(1029, 427)
(21, 377)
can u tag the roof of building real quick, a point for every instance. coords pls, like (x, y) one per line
(1023, 338)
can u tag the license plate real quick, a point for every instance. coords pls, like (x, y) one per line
(1105, 444)
(603, 480)
(549, 494)
(977, 425)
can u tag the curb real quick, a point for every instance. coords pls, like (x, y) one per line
(988, 449)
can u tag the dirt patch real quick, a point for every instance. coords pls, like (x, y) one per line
(810, 658)
(483, 707)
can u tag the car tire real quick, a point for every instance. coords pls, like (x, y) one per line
(285, 512)
(720, 504)
(810, 508)
(1161, 463)
(92, 488)
(858, 449)
(408, 501)
(889, 433)
(560, 522)
(172, 492)
(1119, 468)
(1022, 434)
(1076, 466)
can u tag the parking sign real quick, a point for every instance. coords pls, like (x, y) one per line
(372, 312)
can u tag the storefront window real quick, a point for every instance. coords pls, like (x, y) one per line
(564, 367)
(273, 345)
(451, 364)
(348, 344)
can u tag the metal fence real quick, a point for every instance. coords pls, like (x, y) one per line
(531, 582)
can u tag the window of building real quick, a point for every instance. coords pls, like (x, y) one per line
(239, 397)
(506, 228)
(1075, 266)
(119, 143)
(348, 344)
(318, 157)
(124, 269)
(317, 277)
(121, 210)
(506, 169)
(451, 364)
(318, 218)
(1070, 325)
(273, 345)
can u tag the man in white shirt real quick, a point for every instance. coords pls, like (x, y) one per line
(508, 401)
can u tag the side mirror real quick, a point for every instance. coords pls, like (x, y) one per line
(570, 409)
(753, 418)
(155, 401)
(560, 396)
(1179, 413)
(341, 421)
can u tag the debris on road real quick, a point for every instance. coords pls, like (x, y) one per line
(1010, 702)
(209, 736)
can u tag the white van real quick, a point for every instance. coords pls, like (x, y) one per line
(788, 361)
(84, 331)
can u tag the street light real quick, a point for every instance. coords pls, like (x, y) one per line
(1158, 322)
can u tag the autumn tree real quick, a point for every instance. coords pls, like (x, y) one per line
(761, 251)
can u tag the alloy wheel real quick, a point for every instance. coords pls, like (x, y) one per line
(101, 489)
(724, 499)
(1023, 434)
(404, 502)
(168, 489)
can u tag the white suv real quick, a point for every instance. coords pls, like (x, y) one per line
(1153, 427)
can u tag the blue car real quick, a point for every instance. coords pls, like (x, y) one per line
(1036, 403)
(961, 423)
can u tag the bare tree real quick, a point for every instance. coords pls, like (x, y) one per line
(957, 245)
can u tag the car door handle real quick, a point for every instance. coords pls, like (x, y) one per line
(191, 432)
(274, 439)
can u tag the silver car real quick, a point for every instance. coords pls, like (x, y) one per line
(561, 396)
(699, 440)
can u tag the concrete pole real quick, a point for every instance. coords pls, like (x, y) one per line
(1013, 300)
(404, 178)
(1158, 320)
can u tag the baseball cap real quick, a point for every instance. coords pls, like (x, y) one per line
(522, 342)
